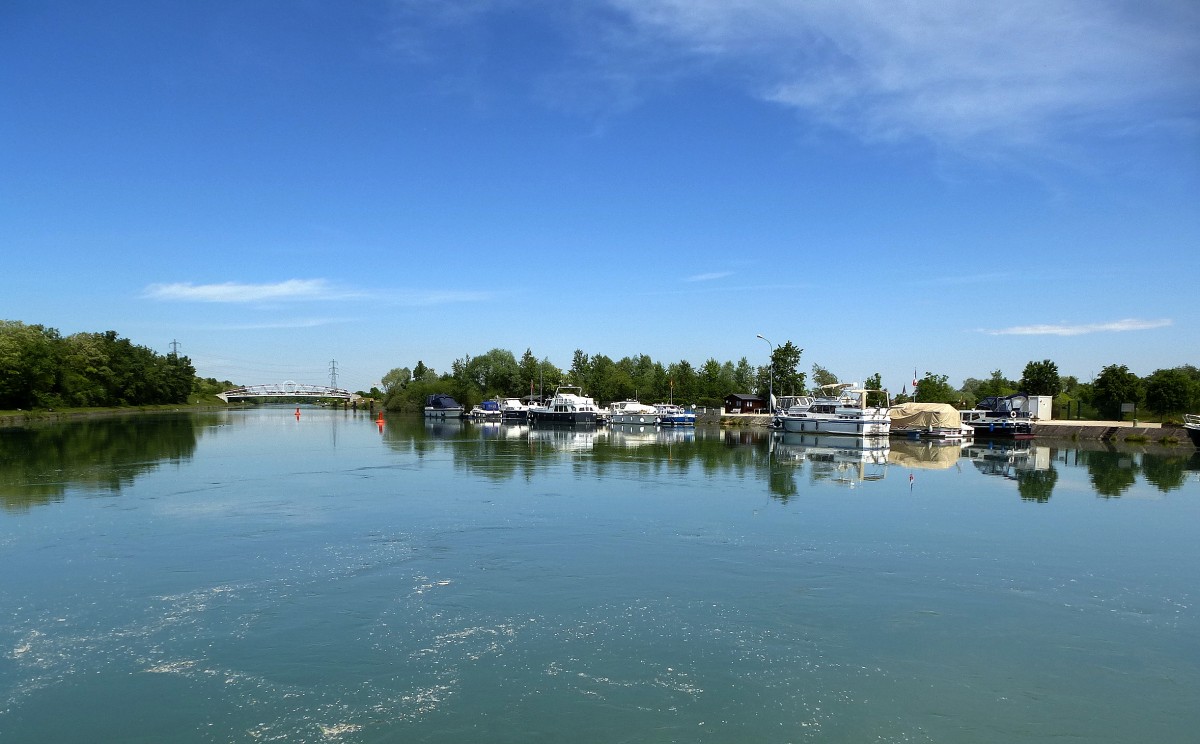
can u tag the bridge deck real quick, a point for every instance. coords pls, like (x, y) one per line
(287, 389)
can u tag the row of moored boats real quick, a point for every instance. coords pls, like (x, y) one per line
(840, 409)
(843, 408)
(568, 406)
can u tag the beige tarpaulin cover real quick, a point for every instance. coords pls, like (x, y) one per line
(923, 455)
(924, 416)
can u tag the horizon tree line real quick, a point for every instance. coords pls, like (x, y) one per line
(497, 373)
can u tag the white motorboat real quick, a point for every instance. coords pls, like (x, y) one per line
(839, 408)
(513, 409)
(442, 406)
(568, 406)
(1191, 422)
(670, 414)
(632, 412)
(489, 410)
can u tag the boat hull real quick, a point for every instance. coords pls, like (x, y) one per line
(1194, 433)
(840, 427)
(677, 420)
(1003, 428)
(563, 417)
(643, 419)
(431, 412)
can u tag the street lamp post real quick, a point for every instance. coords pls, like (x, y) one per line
(770, 376)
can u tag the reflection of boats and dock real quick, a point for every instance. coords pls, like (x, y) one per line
(925, 454)
(842, 459)
(1007, 458)
(638, 435)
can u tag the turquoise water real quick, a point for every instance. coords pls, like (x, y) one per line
(254, 576)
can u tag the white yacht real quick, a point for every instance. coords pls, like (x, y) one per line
(632, 412)
(513, 409)
(568, 406)
(838, 408)
(670, 414)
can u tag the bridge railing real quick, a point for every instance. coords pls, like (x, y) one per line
(287, 389)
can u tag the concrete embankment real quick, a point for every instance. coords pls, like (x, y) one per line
(1113, 431)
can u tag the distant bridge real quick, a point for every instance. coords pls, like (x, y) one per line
(287, 389)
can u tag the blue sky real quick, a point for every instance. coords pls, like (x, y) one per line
(951, 187)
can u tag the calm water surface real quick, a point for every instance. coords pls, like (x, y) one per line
(254, 576)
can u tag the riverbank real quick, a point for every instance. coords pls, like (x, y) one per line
(10, 419)
(1096, 431)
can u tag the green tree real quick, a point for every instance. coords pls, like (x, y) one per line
(29, 364)
(997, 385)
(822, 376)
(1041, 378)
(494, 372)
(682, 382)
(875, 383)
(1171, 391)
(785, 362)
(1113, 386)
(397, 379)
(423, 373)
(743, 376)
(579, 368)
(935, 389)
(604, 379)
(530, 371)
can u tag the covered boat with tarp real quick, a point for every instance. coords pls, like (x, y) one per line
(927, 421)
(440, 405)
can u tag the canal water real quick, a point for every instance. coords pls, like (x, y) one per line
(260, 576)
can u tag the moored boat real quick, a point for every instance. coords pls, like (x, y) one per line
(632, 412)
(1191, 422)
(441, 405)
(670, 414)
(927, 421)
(488, 410)
(1006, 417)
(568, 406)
(839, 408)
(513, 409)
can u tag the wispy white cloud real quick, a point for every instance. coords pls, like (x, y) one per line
(710, 276)
(1129, 324)
(959, 73)
(235, 292)
(955, 71)
(298, 290)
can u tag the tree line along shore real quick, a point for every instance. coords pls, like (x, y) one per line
(40, 369)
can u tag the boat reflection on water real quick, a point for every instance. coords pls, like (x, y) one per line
(444, 428)
(925, 454)
(638, 435)
(840, 459)
(566, 437)
(1006, 457)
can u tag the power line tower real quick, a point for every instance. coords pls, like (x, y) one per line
(174, 347)
(333, 373)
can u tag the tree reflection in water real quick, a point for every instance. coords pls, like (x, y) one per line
(39, 464)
